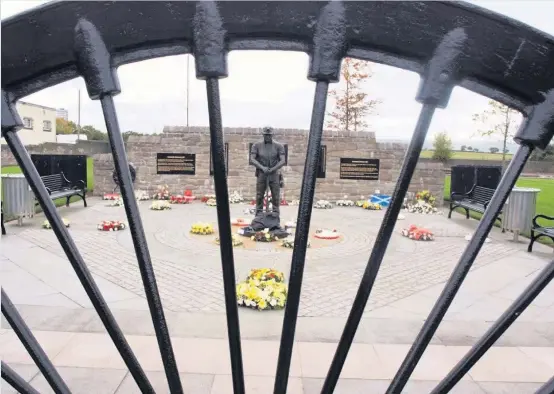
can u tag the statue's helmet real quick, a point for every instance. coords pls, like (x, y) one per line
(267, 130)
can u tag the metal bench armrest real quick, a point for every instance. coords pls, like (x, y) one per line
(536, 225)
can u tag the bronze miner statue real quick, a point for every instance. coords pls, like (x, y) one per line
(268, 157)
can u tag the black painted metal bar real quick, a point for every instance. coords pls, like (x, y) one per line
(16, 381)
(225, 233)
(33, 347)
(496, 331)
(140, 244)
(458, 275)
(68, 245)
(301, 237)
(547, 388)
(380, 247)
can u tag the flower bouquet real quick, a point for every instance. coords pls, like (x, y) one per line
(202, 228)
(207, 197)
(326, 234)
(323, 204)
(263, 236)
(211, 202)
(110, 196)
(263, 289)
(422, 207)
(116, 203)
(289, 243)
(141, 195)
(160, 205)
(46, 224)
(178, 199)
(426, 196)
(162, 193)
(235, 198)
(345, 203)
(235, 239)
(371, 206)
(418, 233)
(111, 225)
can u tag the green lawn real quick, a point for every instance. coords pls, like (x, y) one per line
(545, 199)
(60, 201)
(428, 154)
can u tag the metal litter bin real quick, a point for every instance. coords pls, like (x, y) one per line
(17, 197)
(520, 210)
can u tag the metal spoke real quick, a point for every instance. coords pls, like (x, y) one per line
(455, 281)
(33, 347)
(225, 236)
(547, 388)
(76, 260)
(496, 331)
(16, 381)
(140, 244)
(380, 247)
(301, 237)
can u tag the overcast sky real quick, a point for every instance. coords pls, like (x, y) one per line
(269, 88)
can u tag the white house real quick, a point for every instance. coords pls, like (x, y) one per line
(39, 123)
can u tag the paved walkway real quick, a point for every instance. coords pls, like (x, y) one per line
(40, 281)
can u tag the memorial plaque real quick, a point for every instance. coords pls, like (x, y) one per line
(362, 169)
(176, 163)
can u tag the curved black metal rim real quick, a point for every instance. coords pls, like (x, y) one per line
(513, 60)
(449, 44)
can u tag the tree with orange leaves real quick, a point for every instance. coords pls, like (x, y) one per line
(352, 104)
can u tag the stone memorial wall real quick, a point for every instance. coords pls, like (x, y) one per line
(353, 163)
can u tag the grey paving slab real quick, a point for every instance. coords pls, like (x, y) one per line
(223, 384)
(359, 386)
(268, 327)
(509, 388)
(189, 271)
(192, 383)
(84, 380)
(27, 372)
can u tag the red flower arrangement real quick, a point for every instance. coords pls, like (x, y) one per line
(418, 233)
(111, 225)
(207, 197)
(111, 196)
(326, 234)
(179, 199)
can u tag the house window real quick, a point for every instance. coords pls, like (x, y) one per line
(47, 125)
(28, 123)
(226, 159)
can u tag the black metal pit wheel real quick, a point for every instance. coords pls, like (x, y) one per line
(448, 44)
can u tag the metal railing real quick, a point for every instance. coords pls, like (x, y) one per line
(448, 44)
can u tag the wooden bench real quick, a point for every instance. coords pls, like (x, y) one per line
(540, 231)
(477, 199)
(58, 186)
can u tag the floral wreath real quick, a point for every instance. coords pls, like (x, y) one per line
(160, 205)
(326, 234)
(111, 225)
(202, 228)
(263, 236)
(236, 241)
(263, 289)
(46, 224)
(179, 199)
(418, 233)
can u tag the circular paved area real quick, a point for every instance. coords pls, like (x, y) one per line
(188, 270)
